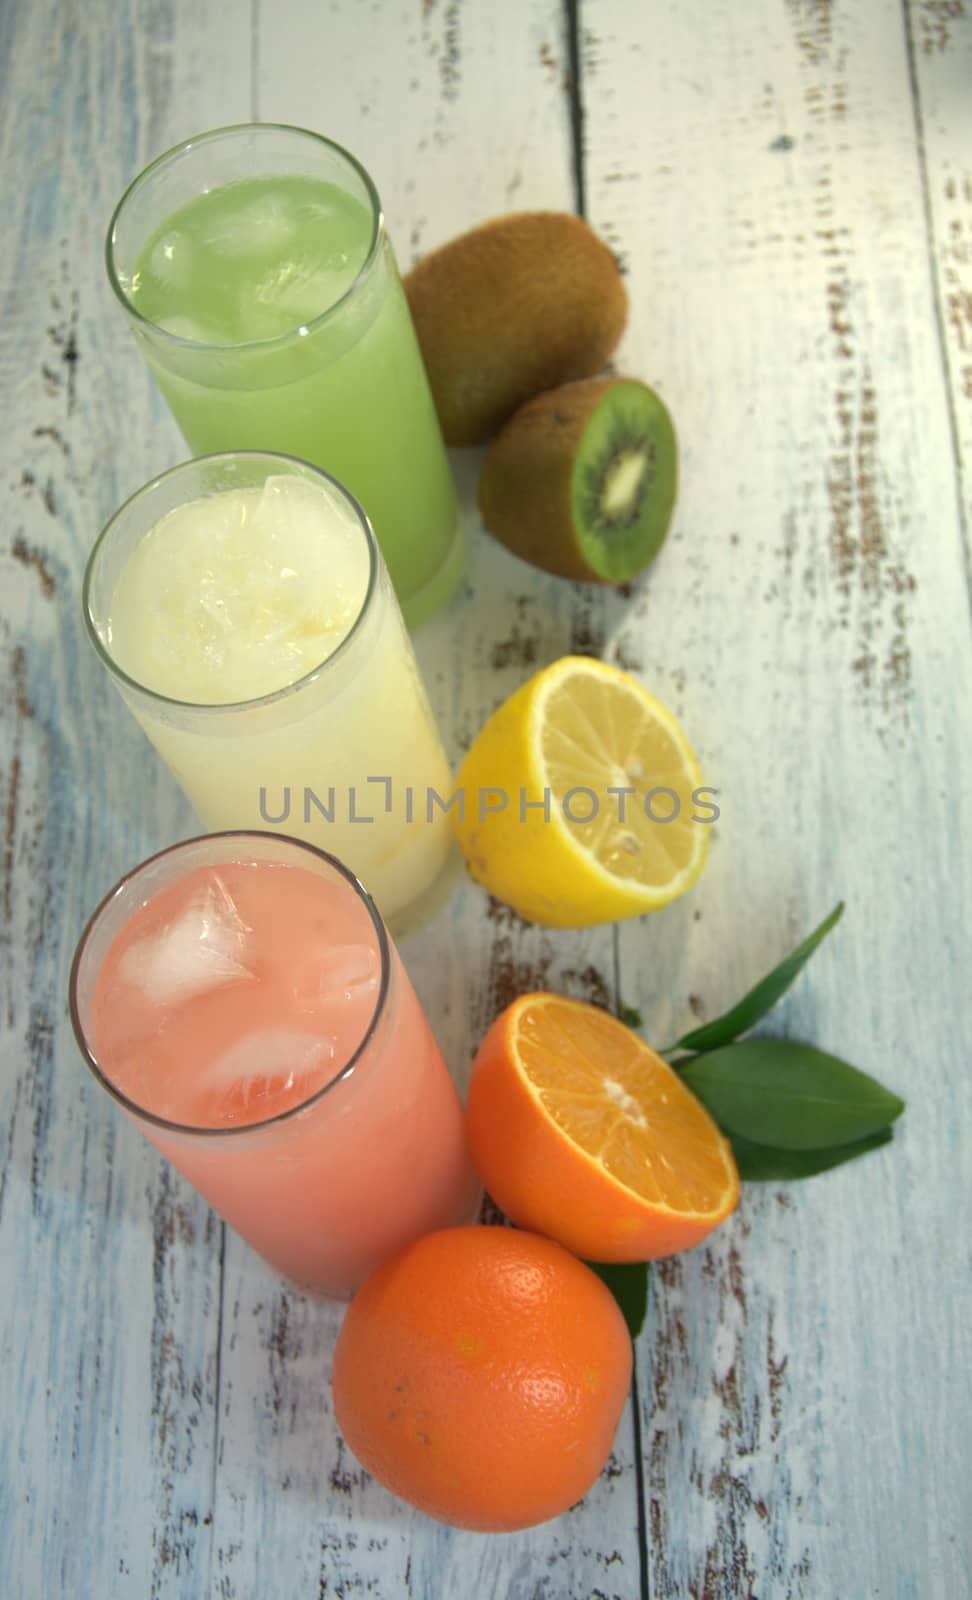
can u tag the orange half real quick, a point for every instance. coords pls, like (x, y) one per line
(582, 1132)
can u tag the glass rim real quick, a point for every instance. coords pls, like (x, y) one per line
(207, 707)
(100, 1074)
(302, 329)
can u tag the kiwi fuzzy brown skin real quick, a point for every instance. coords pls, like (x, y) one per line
(525, 483)
(518, 305)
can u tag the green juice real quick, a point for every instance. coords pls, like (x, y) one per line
(273, 319)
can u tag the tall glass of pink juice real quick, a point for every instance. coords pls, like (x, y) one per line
(241, 999)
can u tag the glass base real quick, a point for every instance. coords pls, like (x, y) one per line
(422, 605)
(312, 1291)
(468, 1218)
(419, 913)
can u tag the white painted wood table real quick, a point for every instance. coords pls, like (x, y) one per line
(788, 184)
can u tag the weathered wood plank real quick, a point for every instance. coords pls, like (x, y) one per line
(459, 114)
(109, 1316)
(759, 172)
(940, 56)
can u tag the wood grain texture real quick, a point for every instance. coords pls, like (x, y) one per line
(788, 187)
(111, 1266)
(940, 54)
(442, 160)
(809, 620)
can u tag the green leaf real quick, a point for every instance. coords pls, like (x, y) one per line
(762, 998)
(791, 1096)
(631, 1017)
(628, 1282)
(760, 1163)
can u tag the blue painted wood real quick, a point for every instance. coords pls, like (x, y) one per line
(789, 185)
(809, 622)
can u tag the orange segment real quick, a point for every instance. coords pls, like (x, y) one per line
(600, 729)
(580, 1131)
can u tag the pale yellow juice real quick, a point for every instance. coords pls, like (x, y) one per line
(261, 649)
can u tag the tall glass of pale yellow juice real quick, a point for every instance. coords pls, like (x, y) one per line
(242, 607)
(240, 998)
(260, 284)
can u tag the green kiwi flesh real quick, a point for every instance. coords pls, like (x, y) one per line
(624, 481)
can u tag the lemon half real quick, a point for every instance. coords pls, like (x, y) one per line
(581, 799)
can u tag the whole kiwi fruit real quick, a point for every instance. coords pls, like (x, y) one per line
(582, 480)
(520, 304)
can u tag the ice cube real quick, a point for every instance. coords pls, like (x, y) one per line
(265, 1066)
(203, 949)
(192, 331)
(336, 975)
(304, 289)
(319, 212)
(299, 540)
(170, 261)
(263, 226)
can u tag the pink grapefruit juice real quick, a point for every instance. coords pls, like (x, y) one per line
(256, 1020)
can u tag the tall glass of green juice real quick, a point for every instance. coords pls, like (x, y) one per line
(259, 281)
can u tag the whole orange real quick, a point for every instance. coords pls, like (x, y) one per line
(480, 1374)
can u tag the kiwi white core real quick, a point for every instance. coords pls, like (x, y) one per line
(622, 483)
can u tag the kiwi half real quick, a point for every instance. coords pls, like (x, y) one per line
(582, 480)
